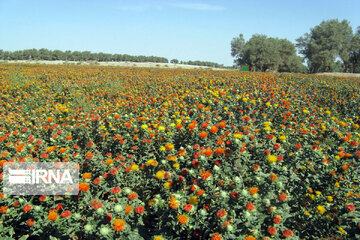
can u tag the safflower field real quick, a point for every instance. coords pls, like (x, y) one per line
(183, 154)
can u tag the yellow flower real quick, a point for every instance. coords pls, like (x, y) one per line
(318, 192)
(266, 124)
(268, 104)
(158, 238)
(320, 209)
(305, 111)
(160, 174)
(244, 99)
(312, 196)
(168, 185)
(238, 135)
(282, 138)
(342, 230)
(162, 148)
(176, 165)
(307, 213)
(272, 158)
(337, 184)
(135, 167)
(193, 200)
(150, 162)
(329, 198)
(267, 128)
(162, 128)
(144, 126)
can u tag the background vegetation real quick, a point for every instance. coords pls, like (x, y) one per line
(330, 46)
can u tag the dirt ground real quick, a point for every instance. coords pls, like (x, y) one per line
(337, 74)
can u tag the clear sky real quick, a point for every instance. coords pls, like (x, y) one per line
(182, 29)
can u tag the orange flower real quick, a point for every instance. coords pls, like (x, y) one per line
(208, 152)
(84, 187)
(182, 219)
(62, 150)
(273, 177)
(128, 209)
(169, 146)
(200, 192)
(203, 134)
(2, 162)
(119, 225)
(216, 236)
(30, 222)
(249, 238)
(50, 119)
(173, 203)
(205, 174)
(192, 126)
(253, 190)
(345, 167)
(86, 175)
(88, 155)
(132, 196)
(214, 129)
(52, 216)
(219, 151)
(68, 138)
(3, 209)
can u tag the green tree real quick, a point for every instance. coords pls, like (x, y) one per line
(355, 53)
(44, 54)
(264, 53)
(237, 46)
(325, 43)
(174, 61)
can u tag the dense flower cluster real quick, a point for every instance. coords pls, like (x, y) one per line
(186, 154)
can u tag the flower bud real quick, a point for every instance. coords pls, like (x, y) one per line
(229, 227)
(203, 212)
(104, 231)
(237, 180)
(245, 192)
(88, 227)
(266, 202)
(118, 208)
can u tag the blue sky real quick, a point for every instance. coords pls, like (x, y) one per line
(182, 29)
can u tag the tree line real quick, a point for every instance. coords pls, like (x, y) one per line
(53, 55)
(198, 63)
(331, 46)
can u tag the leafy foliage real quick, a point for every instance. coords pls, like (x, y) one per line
(266, 54)
(328, 41)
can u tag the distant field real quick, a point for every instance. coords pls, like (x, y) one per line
(336, 74)
(120, 64)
